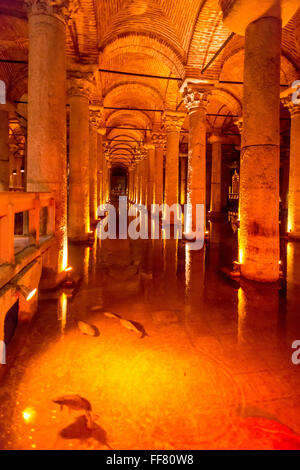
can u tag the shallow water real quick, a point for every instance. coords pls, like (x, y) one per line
(214, 372)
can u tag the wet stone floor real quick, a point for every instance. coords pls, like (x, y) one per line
(214, 370)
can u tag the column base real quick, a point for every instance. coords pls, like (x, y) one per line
(87, 238)
(51, 280)
(215, 215)
(293, 236)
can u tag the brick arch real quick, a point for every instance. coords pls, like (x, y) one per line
(144, 44)
(123, 116)
(146, 91)
(226, 97)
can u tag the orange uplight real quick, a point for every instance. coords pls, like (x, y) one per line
(28, 415)
(31, 294)
(68, 269)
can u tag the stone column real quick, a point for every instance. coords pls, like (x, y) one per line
(46, 161)
(259, 173)
(183, 178)
(159, 141)
(196, 98)
(173, 122)
(100, 158)
(151, 175)
(79, 202)
(93, 162)
(144, 181)
(291, 101)
(4, 150)
(216, 175)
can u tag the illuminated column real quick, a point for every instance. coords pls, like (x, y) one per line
(292, 101)
(159, 141)
(196, 98)
(183, 180)
(46, 163)
(79, 199)
(151, 174)
(100, 157)
(4, 150)
(216, 175)
(93, 161)
(130, 182)
(144, 180)
(259, 174)
(173, 122)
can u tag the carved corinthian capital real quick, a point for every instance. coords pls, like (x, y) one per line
(64, 9)
(196, 94)
(173, 121)
(81, 83)
(290, 98)
(159, 140)
(96, 117)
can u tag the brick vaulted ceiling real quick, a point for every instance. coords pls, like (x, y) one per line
(170, 38)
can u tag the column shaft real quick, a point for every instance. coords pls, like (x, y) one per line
(294, 177)
(259, 178)
(196, 192)
(93, 169)
(46, 161)
(216, 178)
(4, 150)
(79, 217)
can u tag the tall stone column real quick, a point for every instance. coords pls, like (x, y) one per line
(173, 122)
(159, 141)
(46, 161)
(216, 175)
(4, 150)
(196, 98)
(79, 196)
(259, 173)
(100, 157)
(93, 162)
(291, 101)
(151, 174)
(183, 179)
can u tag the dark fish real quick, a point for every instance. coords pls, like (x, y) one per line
(88, 329)
(80, 429)
(74, 402)
(112, 315)
(134, 326)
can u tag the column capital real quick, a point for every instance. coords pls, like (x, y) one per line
(96, 118)
(239, 124)
(63, 9)
(173, 120)
(290, 98)
(81, 82)
(159, 139)
(196, 93)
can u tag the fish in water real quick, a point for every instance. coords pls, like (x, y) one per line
(76, 402)
(112, 315)
(96, 308)
(88, 329)
(134, 326)
(80, 429)
(146, 276)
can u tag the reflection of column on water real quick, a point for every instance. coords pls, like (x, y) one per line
(258, 312)
(293, 285)
(194, 275)
(62, 306)
(214, 251)
(79, 257)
